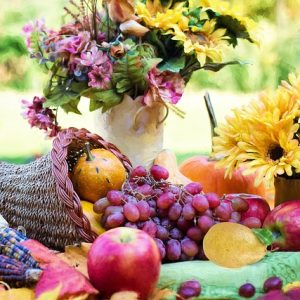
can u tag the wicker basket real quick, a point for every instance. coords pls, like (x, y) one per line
(40, 196)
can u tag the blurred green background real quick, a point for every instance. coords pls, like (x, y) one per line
(21, 78)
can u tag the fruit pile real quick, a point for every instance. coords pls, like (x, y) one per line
(176, 216)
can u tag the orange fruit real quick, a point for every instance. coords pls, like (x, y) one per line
(232, 245)
(87, 208)
(97, 172)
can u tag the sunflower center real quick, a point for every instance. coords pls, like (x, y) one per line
(198, 38)
(275, 152)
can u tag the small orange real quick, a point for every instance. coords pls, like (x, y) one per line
(232, 245)
(97, 172)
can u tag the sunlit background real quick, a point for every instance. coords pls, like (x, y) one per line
(266, 66)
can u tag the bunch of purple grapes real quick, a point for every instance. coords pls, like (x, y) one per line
(176, 216)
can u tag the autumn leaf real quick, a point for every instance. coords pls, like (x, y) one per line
(61, 274)
(50, 295)
(76, 256)
(17, 294)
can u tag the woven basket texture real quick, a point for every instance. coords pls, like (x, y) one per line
(40, 197)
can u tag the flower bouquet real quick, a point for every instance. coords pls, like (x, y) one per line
(263, 137)
(131, 59)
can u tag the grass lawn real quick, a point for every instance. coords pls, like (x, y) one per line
(185, 137)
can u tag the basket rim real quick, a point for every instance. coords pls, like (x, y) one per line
(64, 187)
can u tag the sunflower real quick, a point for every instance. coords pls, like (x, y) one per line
(155, 15)
(270, 152)
(205, 42)
(225, 145)
(261, 137)
(273, 108)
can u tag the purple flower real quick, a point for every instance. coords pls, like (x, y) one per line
(94, 57)
(40, 117)
(163, 86)
(74, 44)
(100, 76)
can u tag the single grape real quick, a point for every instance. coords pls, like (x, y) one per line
(159, 173)
(165, 200)
(247, 290)
(239, 205)
(205, 223)
(252, 222)
(115, 197)
(173, 250)
(152, 203)
(213, 200)
(272, 283)
(187, 198)
(145, 190)
(131, 225)
(188, 212)
(161, 247)
(189, 289)
(200, 203)
(100, 206)
(144, 210)
(184, 224)
(113, 209)
(162, 233)
(131, 212)
(176, 234)
(195, 234)
(175, 211)
(139, 171)
(223, 211)
(150, 227)
(115, 220)
(193, 188)
(235, 216)
(189, 247)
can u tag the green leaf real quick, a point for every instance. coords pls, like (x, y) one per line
(72, 106)
(264, 235)
(215, 67)
(104, 99)
(59, 96)
(235, 29)
(174, 64)
(130, 73)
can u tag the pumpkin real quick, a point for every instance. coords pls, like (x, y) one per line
(202, 169)
(97, 172)
(167, 159)
(87, 208)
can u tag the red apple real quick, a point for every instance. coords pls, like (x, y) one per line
(124, 259)
(258, 206)
(284, 222)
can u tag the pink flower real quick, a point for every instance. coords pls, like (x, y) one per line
(94, 57)
(100, 76)
(29, 28)
(40, 117)
(74, 44)
(164, 86)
